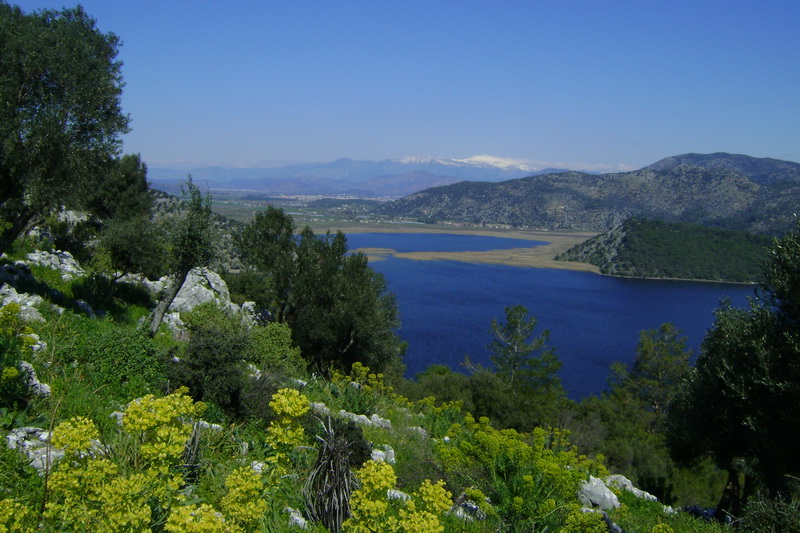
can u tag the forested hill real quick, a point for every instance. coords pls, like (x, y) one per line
(721, 190)
(653, 249)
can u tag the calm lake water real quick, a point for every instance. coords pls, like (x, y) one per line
(446, 307)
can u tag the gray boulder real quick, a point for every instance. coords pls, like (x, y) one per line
(201, 286)
(595, 494)
(26, 302)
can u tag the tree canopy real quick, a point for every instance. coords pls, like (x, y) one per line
(339, 310)
(61, 119)
(520, 359)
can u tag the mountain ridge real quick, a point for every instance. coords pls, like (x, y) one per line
(731, 191)
(344, 176)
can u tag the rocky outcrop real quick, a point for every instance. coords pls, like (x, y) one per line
(33, 442)
(58, 260)
(27, 303)
(201, 286)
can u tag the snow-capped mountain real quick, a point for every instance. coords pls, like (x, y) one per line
(498, 162)
(390, 177)
(479, 161)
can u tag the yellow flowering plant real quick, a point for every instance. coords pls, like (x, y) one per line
(285, 433)
(372, 510)
(244, 503)
(87, 490)
(362, 391)
(531, 479)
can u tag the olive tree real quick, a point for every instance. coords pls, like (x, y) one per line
(190, 243)
(60, 118)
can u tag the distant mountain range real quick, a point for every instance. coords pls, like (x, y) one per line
(760, 195)
(369, 179)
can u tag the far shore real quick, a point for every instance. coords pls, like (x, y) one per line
(533, 257)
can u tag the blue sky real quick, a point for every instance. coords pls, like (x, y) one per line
(605, 85)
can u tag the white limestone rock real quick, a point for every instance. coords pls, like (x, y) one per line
(624, 483)
(594, 493)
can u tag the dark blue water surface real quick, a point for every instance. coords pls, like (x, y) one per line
(446, 307)
(435, 242)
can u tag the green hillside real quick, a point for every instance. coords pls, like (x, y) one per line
(644, 248)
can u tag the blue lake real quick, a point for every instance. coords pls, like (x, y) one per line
(446, 307)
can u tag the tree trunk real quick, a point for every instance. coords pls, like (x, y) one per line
(17, 225)
(730, 503)
(169, 295)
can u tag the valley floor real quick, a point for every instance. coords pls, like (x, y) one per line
(533, 257)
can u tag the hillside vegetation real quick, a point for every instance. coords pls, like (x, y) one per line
(644, 248)
(718, 190)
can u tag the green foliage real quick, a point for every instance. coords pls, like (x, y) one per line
(627, 425)
(442, 383)
(190, 237)
(267, 245)
(190, 243)
(763, 514)
(61, 122)
(637, 514)
(525, 390)
(531, 479)
(662, 362)
(15, 341)
(18, 479)
(212, 366)
(123, 194)
(63, 231)
(133, 245)
(339, 310)
(248, 285)
(521, 361)
(124, 360)
(271, 348)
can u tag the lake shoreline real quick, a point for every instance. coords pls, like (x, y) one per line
(534, 257)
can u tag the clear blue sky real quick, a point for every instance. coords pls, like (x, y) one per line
(599, 84)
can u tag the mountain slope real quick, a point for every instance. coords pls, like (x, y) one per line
(735, 192)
